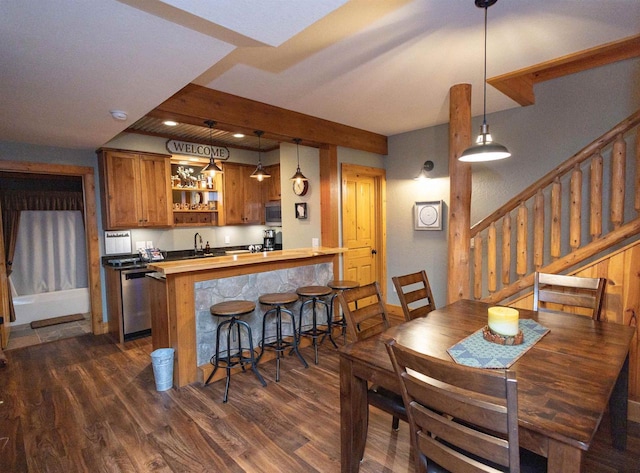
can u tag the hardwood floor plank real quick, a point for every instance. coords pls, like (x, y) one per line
(86, 404)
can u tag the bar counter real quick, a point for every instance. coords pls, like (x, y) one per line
(182, 292)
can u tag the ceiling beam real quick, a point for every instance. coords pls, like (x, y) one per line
(518, 85)
(194, 104)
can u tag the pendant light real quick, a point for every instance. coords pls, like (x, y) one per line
(485, 148)
(260, 173)
(298, 176)
(212, 168)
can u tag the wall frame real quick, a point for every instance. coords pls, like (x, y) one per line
(427, 215)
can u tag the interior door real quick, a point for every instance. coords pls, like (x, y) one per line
(361, 225)
(4, 295)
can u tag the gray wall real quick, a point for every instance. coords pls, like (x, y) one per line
(569, 113)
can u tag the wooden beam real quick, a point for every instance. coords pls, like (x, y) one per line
(329, 208)
(194, 104)
(518, 85)
(459, 193)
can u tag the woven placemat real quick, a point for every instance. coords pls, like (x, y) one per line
(477, 352)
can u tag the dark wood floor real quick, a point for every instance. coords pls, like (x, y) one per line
(85, 404)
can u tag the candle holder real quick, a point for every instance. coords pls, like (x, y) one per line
(494, 337)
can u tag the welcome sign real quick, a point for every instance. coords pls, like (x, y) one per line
(197, 149)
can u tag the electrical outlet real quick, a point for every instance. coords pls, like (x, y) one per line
(227, 239)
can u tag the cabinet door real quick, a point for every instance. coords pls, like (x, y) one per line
(233, 197)
(253, 201)
(155, 180)
(272, 187)
(122, 203)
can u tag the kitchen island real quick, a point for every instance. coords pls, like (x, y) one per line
(182, 292)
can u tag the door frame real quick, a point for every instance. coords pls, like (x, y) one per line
(379, 176)
(90, 224)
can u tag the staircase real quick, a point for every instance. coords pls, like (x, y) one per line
(579, 211)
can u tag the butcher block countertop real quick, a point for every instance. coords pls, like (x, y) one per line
(219, 262)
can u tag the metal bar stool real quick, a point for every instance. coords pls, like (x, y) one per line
(339, 285)
(233, 309)
(277, 301)
(315, 295)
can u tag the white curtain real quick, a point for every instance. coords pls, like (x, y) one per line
(50, 252)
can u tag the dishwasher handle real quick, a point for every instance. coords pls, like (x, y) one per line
(135, 274)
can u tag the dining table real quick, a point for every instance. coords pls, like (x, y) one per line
(566, 380)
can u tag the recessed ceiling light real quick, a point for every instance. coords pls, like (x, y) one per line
(170, 123)
(118, 114)
(238, 135)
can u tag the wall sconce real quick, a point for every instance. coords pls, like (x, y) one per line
(424, 174)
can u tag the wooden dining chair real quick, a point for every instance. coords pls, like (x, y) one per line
(458, 415)
(366, 316)
(415, 294)
(569, 291)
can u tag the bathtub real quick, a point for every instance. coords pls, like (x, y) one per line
(50, 304)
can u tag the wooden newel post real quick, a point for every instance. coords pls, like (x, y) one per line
(459, 194)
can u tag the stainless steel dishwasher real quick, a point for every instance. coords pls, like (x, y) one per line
(136, 313)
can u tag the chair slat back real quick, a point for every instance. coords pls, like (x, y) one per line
(415, 294)
(370, 317)
(569, 291)
(459, 416)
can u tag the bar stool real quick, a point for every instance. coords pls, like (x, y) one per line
(278, 301)
(314, 295)
(233, 309)
(339, 285)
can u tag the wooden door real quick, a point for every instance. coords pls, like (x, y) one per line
(5, 328)
(155, 189)
(363, 224)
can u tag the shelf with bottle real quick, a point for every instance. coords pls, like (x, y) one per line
(194, 195)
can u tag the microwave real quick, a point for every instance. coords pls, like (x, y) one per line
(273, 214)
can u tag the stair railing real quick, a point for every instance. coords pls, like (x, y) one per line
(544, 227)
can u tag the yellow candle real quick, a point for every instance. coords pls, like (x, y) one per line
(503, 321)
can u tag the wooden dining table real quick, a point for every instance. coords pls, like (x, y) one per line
(565, 381)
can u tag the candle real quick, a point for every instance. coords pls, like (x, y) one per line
(503, 321)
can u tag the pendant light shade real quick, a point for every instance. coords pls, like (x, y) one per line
(485, 148)
(260, 173)
(212, 168)
(298, 176)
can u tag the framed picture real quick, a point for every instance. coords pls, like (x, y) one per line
(301, 210)
(428, 215)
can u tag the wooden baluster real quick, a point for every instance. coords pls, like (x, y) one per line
(595, 216)
(492, 250)
(477, 266)
(538, 230)
(556, 219)
(575, 208)
(521, 241)
(506, 250)
(618, 171)
(637, 202)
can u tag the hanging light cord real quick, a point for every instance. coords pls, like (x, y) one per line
(484, 82)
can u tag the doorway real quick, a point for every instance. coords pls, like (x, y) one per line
(364, 224)
(87, 176)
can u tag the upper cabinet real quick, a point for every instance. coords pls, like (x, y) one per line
(242, 196)
(135, 189)
(272, 185)
(195, 197)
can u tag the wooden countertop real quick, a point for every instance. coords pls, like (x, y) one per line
(229, 261)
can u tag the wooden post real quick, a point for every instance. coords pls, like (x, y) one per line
(506, 250)
(595, 214)
(329, 192)
(459, 193)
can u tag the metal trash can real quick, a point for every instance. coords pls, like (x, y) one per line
(162, 361)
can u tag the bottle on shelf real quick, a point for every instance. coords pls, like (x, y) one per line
(207, 249)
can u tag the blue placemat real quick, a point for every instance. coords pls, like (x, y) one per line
(477, 352)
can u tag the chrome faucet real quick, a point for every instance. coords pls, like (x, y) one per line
(195, 242)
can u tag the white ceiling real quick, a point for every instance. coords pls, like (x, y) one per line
(381, 65)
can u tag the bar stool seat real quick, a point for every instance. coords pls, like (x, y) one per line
(315, 295)
(339, 285)
(279, 342)
(233, 310)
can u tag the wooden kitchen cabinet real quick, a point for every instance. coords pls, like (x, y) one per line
(136, 189)
(242, 196)
(272, 185)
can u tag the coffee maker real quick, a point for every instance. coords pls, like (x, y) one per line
(269, 240)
